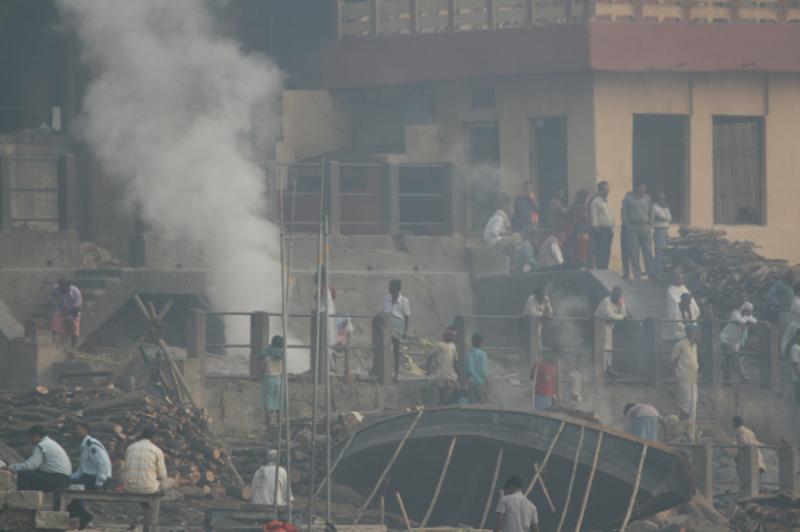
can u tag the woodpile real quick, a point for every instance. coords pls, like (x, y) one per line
(773, 513)
(722, 274)
(116, 419)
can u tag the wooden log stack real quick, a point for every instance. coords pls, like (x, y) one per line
(722, 274)
(117, 419)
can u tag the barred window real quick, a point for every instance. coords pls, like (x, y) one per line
(739, 170)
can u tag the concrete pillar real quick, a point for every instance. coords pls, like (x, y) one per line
(383, 356)
(788, 468)
(393, 201)
(770, 366)
(652, 341)
(703, 469)
(710, 330)
(196, 334)
(598, 351)
(259, 339)
(747, 462)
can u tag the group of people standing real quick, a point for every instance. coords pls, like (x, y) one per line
(580, 234)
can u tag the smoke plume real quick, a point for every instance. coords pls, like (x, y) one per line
(172, 111)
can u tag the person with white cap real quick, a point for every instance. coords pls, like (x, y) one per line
(733, 337)
(684, 360)
(263, 485)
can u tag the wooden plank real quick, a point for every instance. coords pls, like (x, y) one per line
(446, 465)
(571, 480)
(546, 458)
(491, 490)
(635, 491)
(589, 482)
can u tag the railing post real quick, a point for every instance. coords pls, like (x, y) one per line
(598, 353)
(788, 468)
(325, 349)
(412, 17)
(393, 200)
(383, 355)
(489, 14)
(196, 333)
(335, 195)
(259, 339)
(713, 328)
(747, 462)
(770, 367)
(451, 15)
(529, 13)
(374, 14)
(702, 456)
(462, 327)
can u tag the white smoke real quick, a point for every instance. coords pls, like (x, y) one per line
(172, 111)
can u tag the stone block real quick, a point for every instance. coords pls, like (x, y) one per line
(51, 520)
(23, 500)
(6, 482)
(16, 519)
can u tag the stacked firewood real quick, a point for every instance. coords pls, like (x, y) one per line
(117, 419)
(722, 274)
(774, 513)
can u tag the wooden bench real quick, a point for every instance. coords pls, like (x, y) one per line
(150, 502)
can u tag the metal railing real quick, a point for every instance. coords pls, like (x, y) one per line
(383, 18)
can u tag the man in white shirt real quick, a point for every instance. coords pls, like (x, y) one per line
(145, 470)
(611, 310)
(660, 218)
(397, 307)
(515, 513)
(550, 255)
(674, 327)
(47, 469)
(263, 485)
(601, 218)
(745, 436)
(93, 472)
(684, 360)
(538, 306)
(733, 337)
(498, 234)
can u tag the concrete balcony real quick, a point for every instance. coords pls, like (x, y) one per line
(382, 18)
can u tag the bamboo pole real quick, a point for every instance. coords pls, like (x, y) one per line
(336, 463)
(546, 457)
(635, 491)
(424, 522)
(388, 467)
(544, 489)
(491, 490)
(571, 480)
(403, 510)
(284, 328)
(589, 482)
(327, 366)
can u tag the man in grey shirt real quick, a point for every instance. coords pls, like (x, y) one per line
(47, 469)
(515, 513)
(636, 218)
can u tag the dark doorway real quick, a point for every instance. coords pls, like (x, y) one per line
(659, 158)
(549, 164)
(483, 174)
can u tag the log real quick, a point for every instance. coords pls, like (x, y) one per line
(129, 400)
(195, 492)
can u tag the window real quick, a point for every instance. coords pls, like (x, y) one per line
(739, 170)
(659, 158)
(482, 98)
(34, 194)
(483, 142)
(548, 151)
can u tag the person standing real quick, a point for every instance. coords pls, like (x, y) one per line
(67, 301)
(733, 337)
(498, 233)
(538, 306)
(263, 484)
(525, 219)
(515, 512)
(625, 242)
(93, 471)
(558, 208)
(602, 221)
(779, 299)
(145, 470)
(660, 218)
(398, 309)
(745, 436)
(544, 376)
(684, 360)
(674, 328)
(643, 420)
(576, 227)
(794, 357)
(636, 216)
(47, 469)
(793, 323)
(477, 370)
(447, 366)
(611, 310)
(550, 254)
(271, 369)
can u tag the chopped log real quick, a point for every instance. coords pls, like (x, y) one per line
(195, 492)
(129, 400)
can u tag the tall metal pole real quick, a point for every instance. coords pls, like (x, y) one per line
(327, 366)
(284, 374)
(285, 326)
(318, 345)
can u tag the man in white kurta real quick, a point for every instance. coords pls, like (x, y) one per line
(610, 310)
(264, 483)
(674, 328)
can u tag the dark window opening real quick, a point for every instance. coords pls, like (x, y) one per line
(660, 158)
(483, 174)
(739, 170)
(549, 167)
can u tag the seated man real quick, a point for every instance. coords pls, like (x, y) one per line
(498, 234)
(145, 470)
(47, 469)
(93, 472)
(263, 485)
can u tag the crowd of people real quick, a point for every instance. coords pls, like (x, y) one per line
(580, 234)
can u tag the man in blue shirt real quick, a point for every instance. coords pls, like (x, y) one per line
(477, 369)
(93, 472)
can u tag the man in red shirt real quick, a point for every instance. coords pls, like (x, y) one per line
(544, 375)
